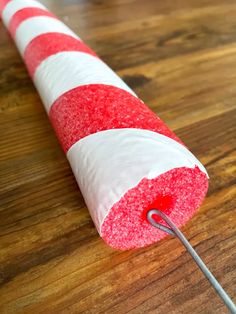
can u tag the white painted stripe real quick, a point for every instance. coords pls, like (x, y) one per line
(15, 5)
(66, 70)
(109, 163)
(38, 25)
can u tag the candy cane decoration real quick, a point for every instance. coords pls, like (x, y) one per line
(124, 158)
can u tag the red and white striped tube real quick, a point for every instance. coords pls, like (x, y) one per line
(124, 158)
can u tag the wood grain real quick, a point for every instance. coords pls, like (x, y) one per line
(180, 58)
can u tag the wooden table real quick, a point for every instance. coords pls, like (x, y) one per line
(180, 58)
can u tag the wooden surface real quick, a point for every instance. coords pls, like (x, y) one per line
(180, 58)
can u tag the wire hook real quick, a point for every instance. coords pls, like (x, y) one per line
(173, 230)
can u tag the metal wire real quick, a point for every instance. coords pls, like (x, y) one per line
(173, 230)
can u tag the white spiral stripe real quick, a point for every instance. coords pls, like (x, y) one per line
(64, 71)
(15, 5)
(109, 163)
(38, 25)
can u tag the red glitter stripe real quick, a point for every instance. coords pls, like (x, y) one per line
(25, 14)
(3, 3)
(45, 45)
(92, 108)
